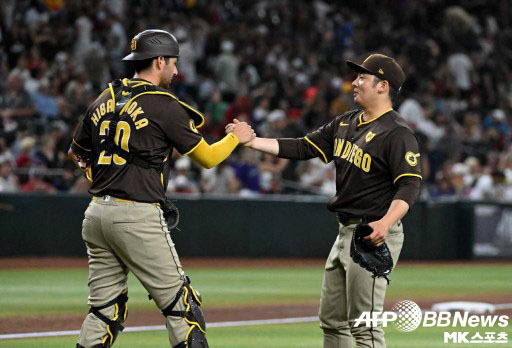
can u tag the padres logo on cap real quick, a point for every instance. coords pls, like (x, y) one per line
(412, 158)
(134, 44)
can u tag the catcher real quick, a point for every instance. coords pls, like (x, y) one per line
(123, 144)
(377, 181)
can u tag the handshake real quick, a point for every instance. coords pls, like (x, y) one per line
(242, 131)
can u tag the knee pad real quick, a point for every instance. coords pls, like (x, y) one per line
(192, 315)
(113, 325)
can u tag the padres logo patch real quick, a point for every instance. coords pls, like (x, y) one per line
(133, 45)
(412, 158)
(193, 126)
(369, 136)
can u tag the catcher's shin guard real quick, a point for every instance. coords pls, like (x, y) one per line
(192, 315)
(113, 325)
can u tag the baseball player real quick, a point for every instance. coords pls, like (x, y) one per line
(123, 144)
(377, 181)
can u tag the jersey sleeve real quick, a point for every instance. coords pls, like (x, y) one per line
(179, 128)
(82, 142)
(321, 141)
(404, 155)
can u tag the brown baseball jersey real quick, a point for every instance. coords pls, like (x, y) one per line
(370, 158)
(152, 124)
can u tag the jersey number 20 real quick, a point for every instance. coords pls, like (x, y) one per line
(122, 128)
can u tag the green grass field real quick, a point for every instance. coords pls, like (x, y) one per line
(64, 291)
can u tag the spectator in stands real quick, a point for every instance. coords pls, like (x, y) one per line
(8, 181)
(15, 103)
(242, 63)
(36, 183)
(247, 172)
(220, 180)
(492, 187)
(182, 181)
(227, 69)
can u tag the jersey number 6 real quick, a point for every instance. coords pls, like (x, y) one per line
(122, 127)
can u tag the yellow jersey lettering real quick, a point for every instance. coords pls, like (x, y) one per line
(95, 119)
(367, 161)
(352, 153)
(338, 145)
(141, 123)
(98, 115)
(131, 108)
(103, 109)
(136, 113)
(110, 105)
(358, 157)
(348, 146)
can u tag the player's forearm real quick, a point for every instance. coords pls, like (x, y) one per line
(396, 211)
(270, 146)
(290, 148)
(208, 156)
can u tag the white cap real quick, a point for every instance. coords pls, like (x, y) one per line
(227, 46)
(276, 115)
(460, 169)
(498, 114)
(183, 163)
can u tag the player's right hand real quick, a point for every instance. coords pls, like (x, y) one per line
(241, 130)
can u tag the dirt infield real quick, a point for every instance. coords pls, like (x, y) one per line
(139, 318)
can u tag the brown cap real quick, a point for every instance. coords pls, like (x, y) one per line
(384, 67)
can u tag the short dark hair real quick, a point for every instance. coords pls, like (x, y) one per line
(141, 65)
(393, 93)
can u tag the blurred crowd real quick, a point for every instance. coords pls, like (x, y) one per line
(278, 65)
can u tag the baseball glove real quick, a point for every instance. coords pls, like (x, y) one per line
(171, 214)
(376, 260)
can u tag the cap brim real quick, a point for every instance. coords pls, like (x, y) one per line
(131, 56)
(141, 56)
(358, 68)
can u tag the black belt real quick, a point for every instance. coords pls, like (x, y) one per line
(345, 220)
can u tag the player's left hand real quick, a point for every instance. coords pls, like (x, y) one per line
(379, 234)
